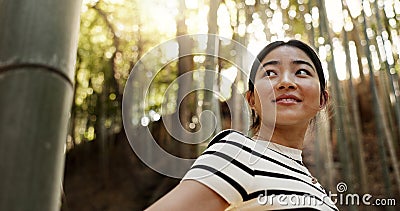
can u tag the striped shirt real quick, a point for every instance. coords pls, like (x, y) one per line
(257, 175)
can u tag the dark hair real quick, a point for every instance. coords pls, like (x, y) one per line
(270, 47)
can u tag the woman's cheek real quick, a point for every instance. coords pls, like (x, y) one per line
(262, 97)
(312, 91)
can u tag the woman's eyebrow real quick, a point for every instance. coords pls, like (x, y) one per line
(303, 62)
(273, 62)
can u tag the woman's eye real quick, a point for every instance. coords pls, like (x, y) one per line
(303, 72)
(269, 73)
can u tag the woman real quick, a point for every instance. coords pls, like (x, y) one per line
(287, 88)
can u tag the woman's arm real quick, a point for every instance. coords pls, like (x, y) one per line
(190, 195)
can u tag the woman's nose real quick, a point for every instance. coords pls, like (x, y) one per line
(286, 82)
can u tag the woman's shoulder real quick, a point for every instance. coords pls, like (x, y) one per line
(230, 136)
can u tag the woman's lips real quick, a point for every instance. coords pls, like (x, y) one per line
(287, 99)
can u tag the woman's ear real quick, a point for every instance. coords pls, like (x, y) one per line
(324, 99)
(250, 98)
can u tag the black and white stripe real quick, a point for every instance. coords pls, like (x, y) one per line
(226, 168)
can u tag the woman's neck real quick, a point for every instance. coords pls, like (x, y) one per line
(290, 136)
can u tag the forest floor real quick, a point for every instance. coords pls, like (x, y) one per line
(116, 182)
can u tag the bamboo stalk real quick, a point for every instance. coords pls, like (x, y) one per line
(380, 122)
(38, 50)
(355, 113)
(185, 65)
(389, 139)
(211, 103)
(393, 80)
(342, 140)
(311, 32)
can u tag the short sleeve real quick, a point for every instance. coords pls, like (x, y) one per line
(223, 166)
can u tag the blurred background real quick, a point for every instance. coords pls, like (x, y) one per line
(357, 139)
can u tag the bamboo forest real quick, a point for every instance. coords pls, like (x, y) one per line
(88, 89)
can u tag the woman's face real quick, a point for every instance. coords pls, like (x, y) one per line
(287, 87)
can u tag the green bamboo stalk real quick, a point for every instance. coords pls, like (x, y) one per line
(320, 134)
(236, 114)
(317, 156)
(211, 103)
(389, 139)
(240, 120)
(38, 50)
(380, 123)
(185, 64)
(355, 114)
(355, 36)
(311, 32)
(342, 140)
(393, 78)
(265, 18)
(323, 131)
(326, 147)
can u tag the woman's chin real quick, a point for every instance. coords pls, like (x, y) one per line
(292, 121)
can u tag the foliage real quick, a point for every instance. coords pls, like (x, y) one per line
(112, 39)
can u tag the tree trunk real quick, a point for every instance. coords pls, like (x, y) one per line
(379, 117)
(342, 139)
(210, 103)
(357, 138)
(185, 107)
(38, 50)
(389, 134)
